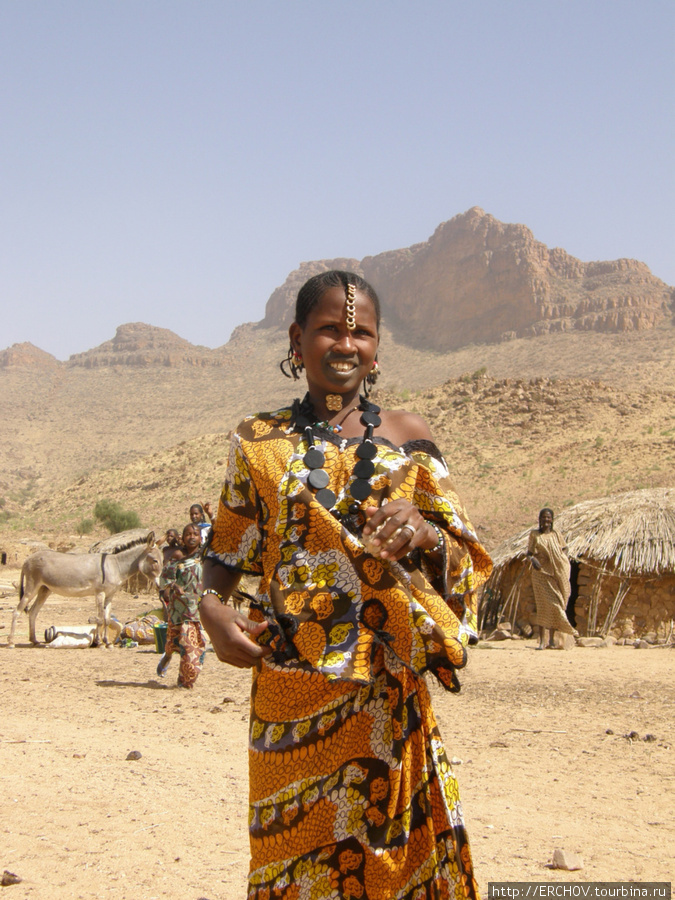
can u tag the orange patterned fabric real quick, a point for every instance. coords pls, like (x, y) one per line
(351, 791)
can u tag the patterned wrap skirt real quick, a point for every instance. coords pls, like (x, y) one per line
(352, 794)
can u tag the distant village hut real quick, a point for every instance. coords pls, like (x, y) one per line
(622, 550)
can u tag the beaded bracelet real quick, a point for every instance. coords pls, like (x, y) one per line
(215, 594)
(439, 543)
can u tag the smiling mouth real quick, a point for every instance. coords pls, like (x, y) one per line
(342, 367)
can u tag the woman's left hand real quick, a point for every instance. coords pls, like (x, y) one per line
(393, 530)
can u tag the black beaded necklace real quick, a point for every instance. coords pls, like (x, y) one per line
(364, 469)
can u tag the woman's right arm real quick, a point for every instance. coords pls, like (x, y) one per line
(532, 550)
(228, 629)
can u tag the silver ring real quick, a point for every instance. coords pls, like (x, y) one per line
(411, 529)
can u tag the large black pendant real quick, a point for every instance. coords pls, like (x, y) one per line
(366, 450)
(314, 458)
(364, 468)
(369, 417)
(359, 489)
(318, 479)
(326, 498)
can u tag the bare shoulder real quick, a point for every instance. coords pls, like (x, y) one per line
(400, 426)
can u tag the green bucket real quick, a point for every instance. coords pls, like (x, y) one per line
(160, 636)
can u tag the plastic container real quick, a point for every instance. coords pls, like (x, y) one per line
(160, 636)
(79, 631)
(64, 639)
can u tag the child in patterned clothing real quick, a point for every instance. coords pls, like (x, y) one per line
(179, 588)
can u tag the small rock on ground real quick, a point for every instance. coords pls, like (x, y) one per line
(565, 859)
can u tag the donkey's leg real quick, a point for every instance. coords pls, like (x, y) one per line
(107, 624)
(27, 591)
(15, 618)
(100, 635)
(35, 608)
(23, 603)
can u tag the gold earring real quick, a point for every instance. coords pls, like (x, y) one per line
(374, 373)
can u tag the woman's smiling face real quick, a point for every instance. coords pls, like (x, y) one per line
(336, 358)
(545, 520)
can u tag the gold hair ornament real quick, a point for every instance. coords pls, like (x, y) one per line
(350, 307)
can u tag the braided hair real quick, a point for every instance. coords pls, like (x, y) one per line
(309, 296)
(312, 291)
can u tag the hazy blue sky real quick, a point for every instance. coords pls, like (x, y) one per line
(171, 162)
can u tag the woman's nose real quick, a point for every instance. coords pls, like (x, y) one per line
(345, 342)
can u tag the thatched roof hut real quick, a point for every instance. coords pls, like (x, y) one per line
(622, 549)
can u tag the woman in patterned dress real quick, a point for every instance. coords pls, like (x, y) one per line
(179, 587)
(547, 552)
(368, 568)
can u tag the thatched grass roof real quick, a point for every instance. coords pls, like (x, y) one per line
(121, 541)
(634, 532)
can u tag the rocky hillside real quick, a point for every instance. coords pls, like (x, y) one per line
(513, 445)
(477, 280)
(61, 423)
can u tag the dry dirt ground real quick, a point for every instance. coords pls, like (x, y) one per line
(541, 738)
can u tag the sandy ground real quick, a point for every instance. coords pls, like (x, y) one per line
(541, 739)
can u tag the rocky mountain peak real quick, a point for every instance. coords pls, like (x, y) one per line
(27, 355)
(138, 344)
(478, 280)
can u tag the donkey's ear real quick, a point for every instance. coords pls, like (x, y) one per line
(151, 539)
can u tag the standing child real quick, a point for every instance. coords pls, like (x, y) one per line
(171, 548)
(179, 587)
(202, 518)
